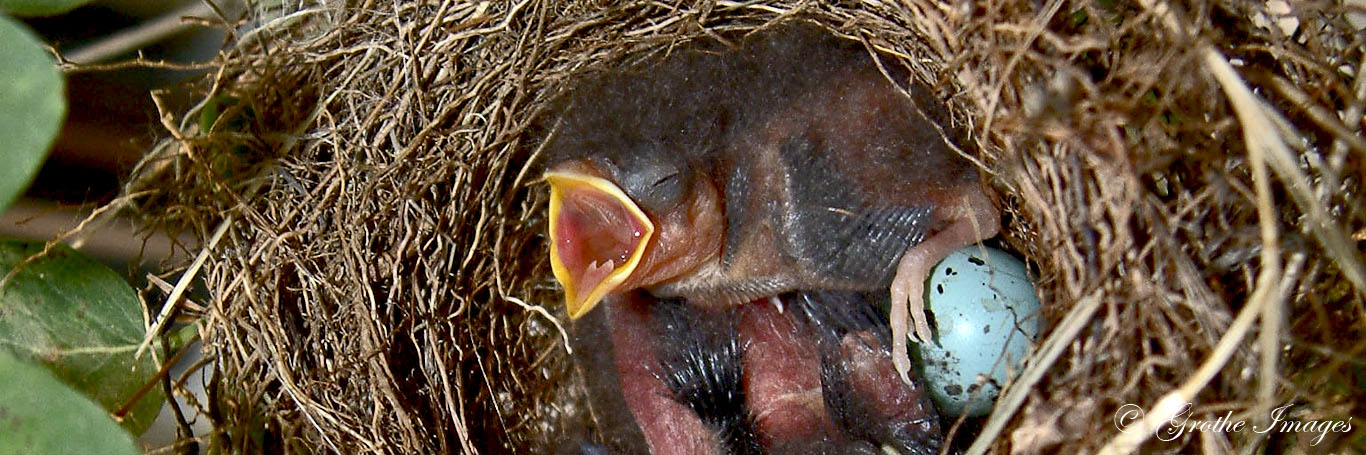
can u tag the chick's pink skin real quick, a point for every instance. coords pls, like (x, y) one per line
(670, 427)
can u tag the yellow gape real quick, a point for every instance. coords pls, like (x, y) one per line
(597, 237)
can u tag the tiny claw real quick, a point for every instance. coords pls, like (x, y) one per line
(922, 322)
(899, 321)
(777, 303)
(908, 308)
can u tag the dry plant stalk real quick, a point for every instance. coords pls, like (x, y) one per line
(381, 285)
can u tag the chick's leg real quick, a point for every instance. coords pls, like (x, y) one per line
(972, 217)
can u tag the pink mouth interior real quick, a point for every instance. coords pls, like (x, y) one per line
(595, 234)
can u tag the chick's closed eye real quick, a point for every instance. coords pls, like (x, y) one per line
(791, 163)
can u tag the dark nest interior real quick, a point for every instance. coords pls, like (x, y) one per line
(1184, 180)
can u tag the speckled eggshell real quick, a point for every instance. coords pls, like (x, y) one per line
(986, 315)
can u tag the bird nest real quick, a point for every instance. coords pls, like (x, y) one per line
(1184, 180)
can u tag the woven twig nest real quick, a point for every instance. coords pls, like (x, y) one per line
(380, 283)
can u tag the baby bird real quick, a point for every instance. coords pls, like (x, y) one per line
(791, 163)
(665, 378)
(719, 178)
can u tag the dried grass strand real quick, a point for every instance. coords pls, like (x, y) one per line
(386, 291)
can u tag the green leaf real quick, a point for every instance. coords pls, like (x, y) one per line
(40, 415)
(214, 108)
(31, 107)
(83, 322)
(39, 7)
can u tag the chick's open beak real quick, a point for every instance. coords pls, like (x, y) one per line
(597, 237)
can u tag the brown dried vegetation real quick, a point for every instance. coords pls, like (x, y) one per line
(380, 284)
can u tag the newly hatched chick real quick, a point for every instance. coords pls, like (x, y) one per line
(667, 379)
(789, 164)
(715, 179)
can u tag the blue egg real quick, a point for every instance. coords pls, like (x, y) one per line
(987, 317)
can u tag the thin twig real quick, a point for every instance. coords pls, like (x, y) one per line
(1161, 412)
(181, 285)
(538, 309)
(1039, 363)
(137, 37)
